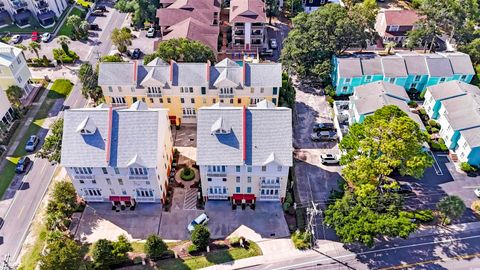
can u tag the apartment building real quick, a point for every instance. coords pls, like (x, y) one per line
(116, 155)
(247, 19)
(22, 11)
(190, 19)
(393, 25)
(370, 97)
(456, 107)
(244, 154)
(410, 70)
(13, 71)
(185, 87)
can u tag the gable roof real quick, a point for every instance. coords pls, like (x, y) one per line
(472, 136)
(401, 17)
(134, 135)
(452, 89)
(257, 134)
(439, 67)
(113, 73)
(194, 29)
(463, 112)
(8, 54)
(394, 67)
(247, 11)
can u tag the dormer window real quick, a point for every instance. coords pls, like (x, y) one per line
(86, 127)
(221, 127)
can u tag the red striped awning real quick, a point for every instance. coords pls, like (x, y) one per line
(119, 198)
(239, 197)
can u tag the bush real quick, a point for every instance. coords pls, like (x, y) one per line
(422, 94)
(434, 130)
(466, 167)
(412, 104)
(62, 57)
(155, 247)
(330, 101)
(111, 58)
(187, 174)
(301, 240)
(330, 91)
(432, 123)
(435, 146)
(420, 215)
(422, 111)
(429, 129)
(200, 237)
(476, 206)
(192, 249)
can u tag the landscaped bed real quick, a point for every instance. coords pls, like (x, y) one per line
(187, 174)
(66, 30)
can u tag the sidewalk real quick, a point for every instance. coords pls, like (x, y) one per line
(59, 72)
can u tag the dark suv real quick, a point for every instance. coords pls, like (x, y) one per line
(323, 126)
(22, 165)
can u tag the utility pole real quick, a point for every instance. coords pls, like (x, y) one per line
(312, 212)
(5, 264)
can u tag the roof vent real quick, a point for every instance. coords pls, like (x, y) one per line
(86, 127)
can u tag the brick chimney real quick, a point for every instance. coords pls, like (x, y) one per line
(135, 64)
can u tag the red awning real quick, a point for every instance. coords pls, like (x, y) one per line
(119, 198)
(239, 197)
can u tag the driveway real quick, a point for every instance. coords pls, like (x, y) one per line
(267, 219)
(186, 136)
(142, 42)
(100, 221)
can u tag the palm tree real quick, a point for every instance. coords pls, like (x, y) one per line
(21, 47)
(451, 207)
(64, 41)
(34, 47)
(14, 93)
(121, 38)
(390, 46)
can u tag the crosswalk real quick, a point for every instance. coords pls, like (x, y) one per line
(190, 200)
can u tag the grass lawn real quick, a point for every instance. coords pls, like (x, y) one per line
(66, 30)
(211, 258)
(61, 88)
(84, 3)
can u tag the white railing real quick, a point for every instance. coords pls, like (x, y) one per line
(216, 174)
(154, 94)
(145, 199)
(269, 198)
(84, 177)
(217, 196)
(269, 185)
(138, 177)
(93, 198)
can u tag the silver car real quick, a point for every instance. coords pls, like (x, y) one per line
(32, 143)
(329, 159)
(324, 136)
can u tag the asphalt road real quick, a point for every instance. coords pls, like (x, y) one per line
(439, 252)
(25, 203)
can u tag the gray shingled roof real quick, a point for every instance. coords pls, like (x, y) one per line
(116, 74)
(451, 89)
(268, 133)
(416, 64)
(371, 66)
(394, 67)
(439, 67)
(134, 135)
(461, 63)
(463, 112)
(349, 67)
(263, 74)
(189, 74)
(472, 136)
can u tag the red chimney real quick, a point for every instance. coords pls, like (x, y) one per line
(244, 134)
(109, 135)
(135, 71)
(208, 70)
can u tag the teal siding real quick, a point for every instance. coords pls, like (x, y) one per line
(474, 156)
(463, 78)
(454, 140)
(436, 108)
(417, 84)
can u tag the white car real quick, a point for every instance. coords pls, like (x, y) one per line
(329, 159)
(202, 219)
(16, 39)
(151, 32)
(46, 37)
(273, 43)
(477, 192)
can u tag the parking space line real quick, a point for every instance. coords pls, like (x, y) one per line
(437, 169)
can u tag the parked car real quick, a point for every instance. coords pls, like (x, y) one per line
(202, 219)
(22, 165)
(329, 159)
(477, 192)
(323, 126)
(273, 43)
(266, 52)
(46, 37)
(35, 36)
(16, 39)
(135, 54)
(32, 143)
(101, 8)
(97, 13)
(93, 26)
(151, 32)
(324, 136)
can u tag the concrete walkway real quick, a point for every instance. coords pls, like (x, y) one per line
(59, 72)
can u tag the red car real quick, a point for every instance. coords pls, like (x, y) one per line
(35, 36)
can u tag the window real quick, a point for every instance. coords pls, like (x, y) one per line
(414, 85)
(188, 111)
(132, 89)
(81, 181)
(182, 100)
(391, 80)
(237, 189)
(92, 192)
(144, 193)
(249, 179)
(19, 79)
(238, 179)
(138, 171)
(83, 170)
(463, 77)
(209, 179)
(94, 181)
(118, 100)
(224, 179)
(151, 100)
(462, 155)
(192, 100)
(214, 100)
(204, 90)
(120, 181)
(117, 171)
(465, 145)
(147, 182)
(104, 170)
(249, 189)
(261, 90)
(160, 100)
(274, 101)
(124, 192)
(417, 78)
(169, 100)
(368, 78)
(345, 89)
(239, 100)
(109, 182)
(110, 89)
(348, 80)
(275, 90)
(19, 60)
(249, 168)
(394, 28)
(264, 168)
(112, 191)
(279, 168)
(252, 90)
(231, 101)
(237, 168)
(119, 88)
(442, 79)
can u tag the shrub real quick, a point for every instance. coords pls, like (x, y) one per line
(429, 129)
(330, 91)
(412, 104)
(234, 241)
(154, 246)
(423, 215)
(200, 237)
(192, 249)
(434, 130)
(466, 167)
(433, 123)
(422, 111)
(60, 55)
(187, 174)
(476, 206)
(301, 240)
(435, 146)
(330, 101)
(422, 94)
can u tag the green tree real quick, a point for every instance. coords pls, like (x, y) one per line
(310, 44)
(52, 147)
(472, 49)
(364, 214)
(184, 50)
(390, 46)
(200, 237)
(102, 254)
(78, 25)
(64, 41)
(385, 141)
(292, 7)
(89, 78)
(121, 38)
(63, 253)
(111, 58)
(142, 10)
(120, 248)
(14, 93)
(21, 47)
(155, 247)
(61, 205)
(272, 9)
(34, 47)
(451, 207)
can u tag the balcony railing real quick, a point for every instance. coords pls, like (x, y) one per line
(256, 33)
(269, 185)
(138, 177)
(18, 4)
(216, 174)
(42, 5)
(93, 198)
(154, 94)
(145, 199)
(226, 95)
(239, 33)
(217, 196)
(269, 197)
(189, 116)
(84, 177)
